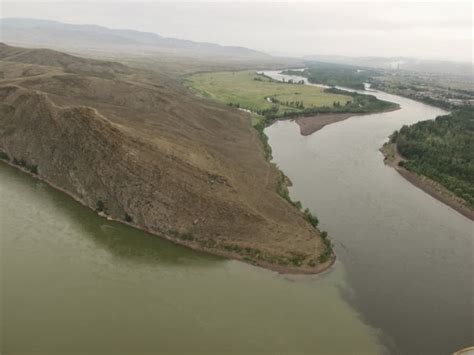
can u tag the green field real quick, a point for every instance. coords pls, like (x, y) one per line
(248, 90)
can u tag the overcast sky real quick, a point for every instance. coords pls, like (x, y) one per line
(436, 30)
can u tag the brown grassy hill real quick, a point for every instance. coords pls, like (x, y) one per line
(68, 63)
(140, 148)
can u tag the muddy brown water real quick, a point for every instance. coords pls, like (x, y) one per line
(408, 257)
(74, 283)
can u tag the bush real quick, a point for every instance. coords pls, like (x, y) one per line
(233, 247)
(209, 243)
(312, 219)
(173, 232)
(329, 250)
(324, 256)
(297, 204)
(4, 156)
(297, 259)
(128, 218)
(19, 162)
(33, 169)
(100, 206)
(187, 236)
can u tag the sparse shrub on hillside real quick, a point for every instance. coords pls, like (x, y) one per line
(312, 263)
(312, 219)
(209, 243)
(297, 259)
(329, 248)
(173, 232)
(100, 206)
(187, 236)
(19, 162)
(297, 204)
(233, 247)
(325, 256)
(4, 156)
(33, 169)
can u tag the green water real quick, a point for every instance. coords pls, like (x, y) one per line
(74, 283)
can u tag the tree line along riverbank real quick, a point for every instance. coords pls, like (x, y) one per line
(439, 154)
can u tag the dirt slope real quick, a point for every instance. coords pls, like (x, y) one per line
(142, 149)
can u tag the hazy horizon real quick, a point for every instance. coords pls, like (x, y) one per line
(429, 30)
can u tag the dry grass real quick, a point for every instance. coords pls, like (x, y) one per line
(149, 149)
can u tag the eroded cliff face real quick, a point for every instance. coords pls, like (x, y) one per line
(139, 148)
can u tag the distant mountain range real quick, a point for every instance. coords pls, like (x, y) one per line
(98, 39)
(58, 35)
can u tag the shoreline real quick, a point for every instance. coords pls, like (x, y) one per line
(424, 183)
(311, 124)
(280, 269)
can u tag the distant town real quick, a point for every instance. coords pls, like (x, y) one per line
(442, 90)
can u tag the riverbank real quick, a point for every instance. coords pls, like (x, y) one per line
(192, 244)
(433, 188)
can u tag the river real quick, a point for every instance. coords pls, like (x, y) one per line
(72, 282)
(409, 258)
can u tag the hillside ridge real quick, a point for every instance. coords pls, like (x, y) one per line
(151, 154)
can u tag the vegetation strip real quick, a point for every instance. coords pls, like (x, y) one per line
(441, 154)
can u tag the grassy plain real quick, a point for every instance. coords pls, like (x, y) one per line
(257, 93)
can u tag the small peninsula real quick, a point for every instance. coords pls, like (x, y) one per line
(139, 148)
